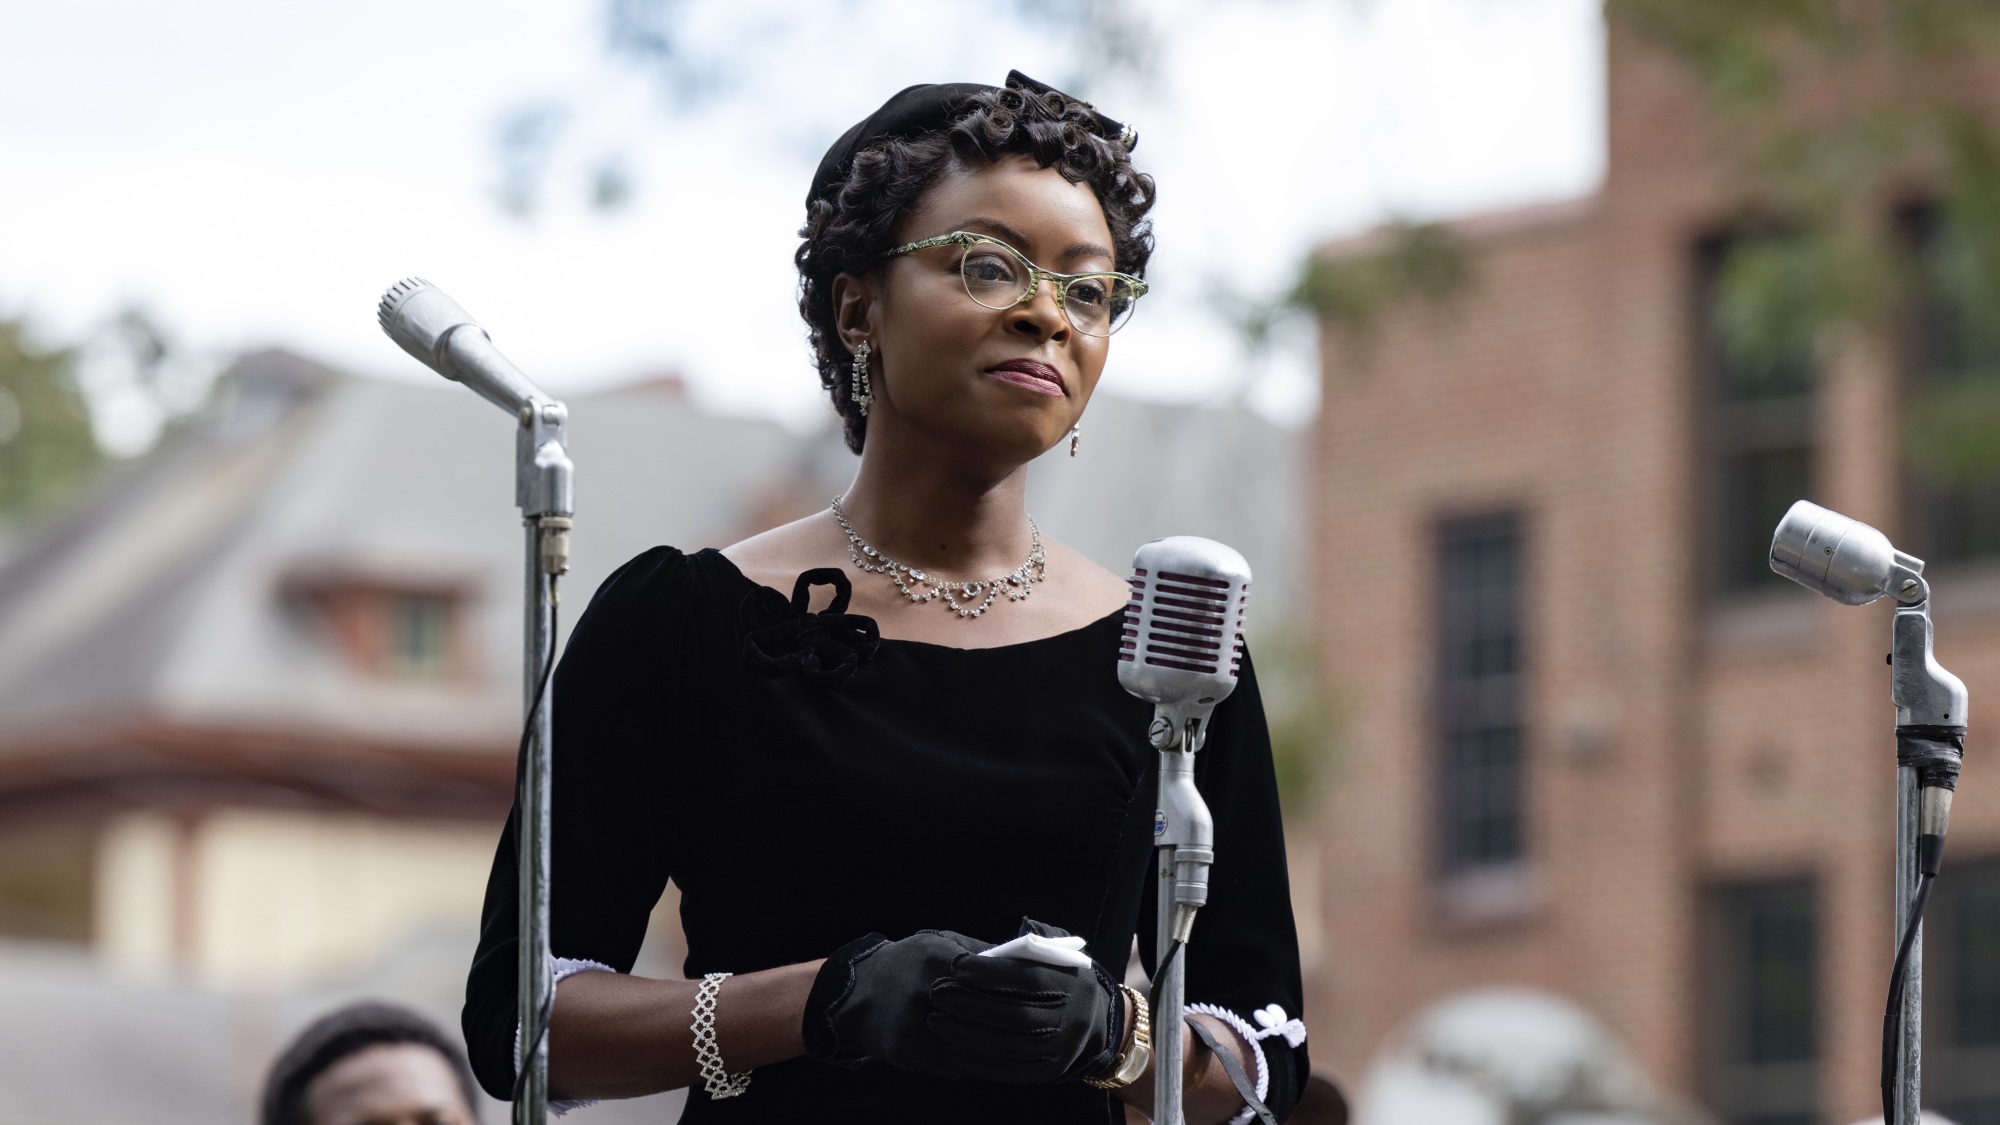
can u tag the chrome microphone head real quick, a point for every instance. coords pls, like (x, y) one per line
(426, 323)
(1842, 558)
(418, 316)
(1183, 639)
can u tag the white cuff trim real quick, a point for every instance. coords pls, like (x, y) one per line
(564, 968)
(1249, 1035)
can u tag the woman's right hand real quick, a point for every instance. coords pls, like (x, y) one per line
(871, 1000)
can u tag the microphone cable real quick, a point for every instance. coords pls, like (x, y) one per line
(1160, 974)
(1930, 859)
(547, 1009)
(1935, 753)
(1892, 1019)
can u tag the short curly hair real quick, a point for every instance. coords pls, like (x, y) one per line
(849, 228)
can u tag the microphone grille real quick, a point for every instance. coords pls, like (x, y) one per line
(393, 297)
(1183, 629)
(1196, 624)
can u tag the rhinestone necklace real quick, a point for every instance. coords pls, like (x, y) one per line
(1017, 584)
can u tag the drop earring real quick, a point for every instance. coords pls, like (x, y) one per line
(859, 392)
(1075, 434)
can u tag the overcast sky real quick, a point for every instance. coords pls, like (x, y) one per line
(257, 173)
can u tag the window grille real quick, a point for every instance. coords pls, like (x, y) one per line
(1962, 994)
(419, 628)
(1479, 648)
(1947, 346)
(1759, 438)
(1761, 967)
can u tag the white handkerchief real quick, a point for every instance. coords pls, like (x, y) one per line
(1065, 951)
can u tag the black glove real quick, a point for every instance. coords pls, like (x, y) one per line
(1026, 1022)
(871, 999)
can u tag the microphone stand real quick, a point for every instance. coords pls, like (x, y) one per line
(1184, 845)
(1183, 640)
(543, 476)
(1854, 564)
(1909, 1045)
(442, 336)
(1931, 706)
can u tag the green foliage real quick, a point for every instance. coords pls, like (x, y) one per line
(1830, 113)
(1777, 294)
(46, 446)
(1421, 262)
(1952, 432)
(1303, 716)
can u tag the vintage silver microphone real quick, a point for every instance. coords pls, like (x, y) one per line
(1182, 649)
(443, 337)
(1854, 564)
(433, 328)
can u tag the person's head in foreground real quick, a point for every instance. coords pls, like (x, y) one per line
(370, 1064)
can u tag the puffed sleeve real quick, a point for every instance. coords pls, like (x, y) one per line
(1243, 956)
(612, 830)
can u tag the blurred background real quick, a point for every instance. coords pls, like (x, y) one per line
(1496, 333)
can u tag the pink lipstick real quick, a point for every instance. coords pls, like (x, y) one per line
(1031, 375)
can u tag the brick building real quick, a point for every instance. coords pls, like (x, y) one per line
(1590, 746)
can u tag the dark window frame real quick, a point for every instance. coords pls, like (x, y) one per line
(417, 628)
(1961, 1064)
(1480, 660)
(1758, 442)
(1760, 1066)
(1956, 526)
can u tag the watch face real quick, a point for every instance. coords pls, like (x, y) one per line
(1142, 1057)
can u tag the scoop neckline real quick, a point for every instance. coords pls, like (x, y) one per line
(752, 583)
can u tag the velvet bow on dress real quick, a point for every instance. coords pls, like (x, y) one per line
(781, 638)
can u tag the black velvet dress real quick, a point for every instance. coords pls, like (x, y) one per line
(888, 787)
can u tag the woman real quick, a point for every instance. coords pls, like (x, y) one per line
(861, 787)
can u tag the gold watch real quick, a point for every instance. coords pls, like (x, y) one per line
(1138, 1052)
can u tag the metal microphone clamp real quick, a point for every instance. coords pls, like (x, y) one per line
(1182, 823)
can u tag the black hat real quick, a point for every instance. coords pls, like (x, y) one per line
(930, 106)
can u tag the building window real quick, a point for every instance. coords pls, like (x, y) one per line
(1758, 437)
(1962, 994)
(386, 629)
(418, 627)
(1479, 694)
(46, 884)
(1761, 969)
(1952, 355)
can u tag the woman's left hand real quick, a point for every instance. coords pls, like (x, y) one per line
(1025, 1022)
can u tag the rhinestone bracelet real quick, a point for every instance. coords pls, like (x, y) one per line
(718, 1082)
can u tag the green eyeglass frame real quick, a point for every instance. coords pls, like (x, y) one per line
(1100, 318)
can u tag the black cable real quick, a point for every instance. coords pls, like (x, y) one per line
(1160, 978)
(1935, 754)
(547, 1009)
(1892, 1019)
